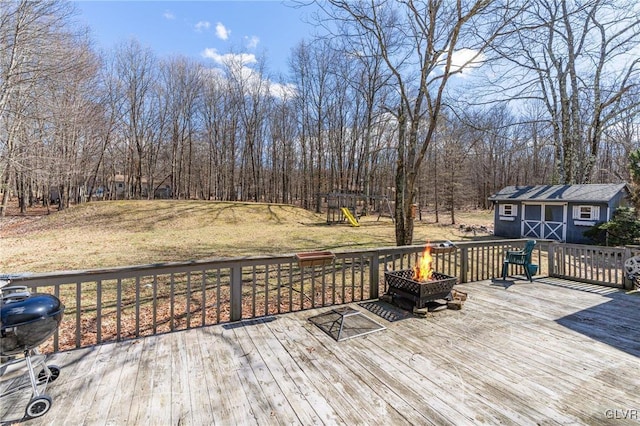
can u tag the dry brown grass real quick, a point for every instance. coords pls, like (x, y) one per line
(119, 233)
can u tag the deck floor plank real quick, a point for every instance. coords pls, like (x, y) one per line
(438, 376)
(125, 399)
(318, 367)
(346, 364)
(161, 382)
(181, 381)
(547, 352)
(199, 392)
(223, 356)
(268, 400)
(336, 370)
(299, 399)
(92, 393)
(478, 371)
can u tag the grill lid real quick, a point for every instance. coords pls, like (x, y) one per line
(30, 308)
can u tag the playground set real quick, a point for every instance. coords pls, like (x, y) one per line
(349, 207)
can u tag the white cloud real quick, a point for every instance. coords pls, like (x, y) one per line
(229, 58)
(236, 64)
(222, 32)
(283, 90)
(465, 60)
(251, 42)
(168, 15)
(202, 25)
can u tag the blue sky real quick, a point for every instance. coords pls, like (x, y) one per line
(201, 29)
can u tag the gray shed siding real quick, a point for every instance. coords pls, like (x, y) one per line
(504, 228)
(550, 210)
(576, 229)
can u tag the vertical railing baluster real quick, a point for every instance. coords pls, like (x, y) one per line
(172, 301)
(188, 302)
(374, 276)
(203, 303)
(253, 291)
(155, 304)
(78, 314)
(266, 289)
(323, 285)
(99, 312)
(279, 287)
(353, 279)
(361, 275)
(137, 307)
(118, 309)
(344, 276)
(291, 287)
(302, 269)
(333, 283)
(218, 290)
(312, 270)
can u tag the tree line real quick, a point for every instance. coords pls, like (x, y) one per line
(429, 102)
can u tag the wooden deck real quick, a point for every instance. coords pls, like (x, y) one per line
(547, 352)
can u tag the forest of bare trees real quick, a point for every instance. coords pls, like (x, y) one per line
(383, 105)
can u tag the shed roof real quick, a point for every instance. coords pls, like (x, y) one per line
(574, 193)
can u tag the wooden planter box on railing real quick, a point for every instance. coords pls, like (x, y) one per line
(115, 304)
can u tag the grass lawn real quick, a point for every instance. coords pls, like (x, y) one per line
(120, 233)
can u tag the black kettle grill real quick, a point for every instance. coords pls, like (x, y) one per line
(26, 321)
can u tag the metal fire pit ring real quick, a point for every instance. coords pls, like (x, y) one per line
(402, 284)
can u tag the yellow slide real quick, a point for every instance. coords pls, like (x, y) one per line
(347, 213)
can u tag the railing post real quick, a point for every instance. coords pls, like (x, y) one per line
(374, 276)
(464, 264)
(627, 284)
(236, 293)
(551, 258)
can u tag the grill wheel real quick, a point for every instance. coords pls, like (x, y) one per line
(38, 406)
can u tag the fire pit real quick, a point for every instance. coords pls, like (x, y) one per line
(421, 284)
(402, 284)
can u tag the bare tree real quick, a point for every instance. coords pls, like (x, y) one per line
(577, 59)
(27, 28)
(136, 69)
(181, 80)
(311, 65)
(419, 42)
(71, 106)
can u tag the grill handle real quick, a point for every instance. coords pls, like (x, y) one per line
(14, 293)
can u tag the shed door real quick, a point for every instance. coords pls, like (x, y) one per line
(554, 224)
(532, 221)
(546, 221)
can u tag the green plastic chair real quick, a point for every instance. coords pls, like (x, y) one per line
(522, 258)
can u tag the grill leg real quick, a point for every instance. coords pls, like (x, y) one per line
(32, 375)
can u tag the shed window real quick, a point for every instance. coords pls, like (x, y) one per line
(508, 210)
(586, 212)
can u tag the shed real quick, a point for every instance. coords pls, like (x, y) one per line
(555, 212)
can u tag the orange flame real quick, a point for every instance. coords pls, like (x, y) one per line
(423, 271)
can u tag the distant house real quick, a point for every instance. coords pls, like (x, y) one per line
(122, 184)
(555, 212)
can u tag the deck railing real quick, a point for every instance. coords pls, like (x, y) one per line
(114, 304)
(590, 264)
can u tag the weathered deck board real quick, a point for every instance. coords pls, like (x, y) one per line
(547, 352)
